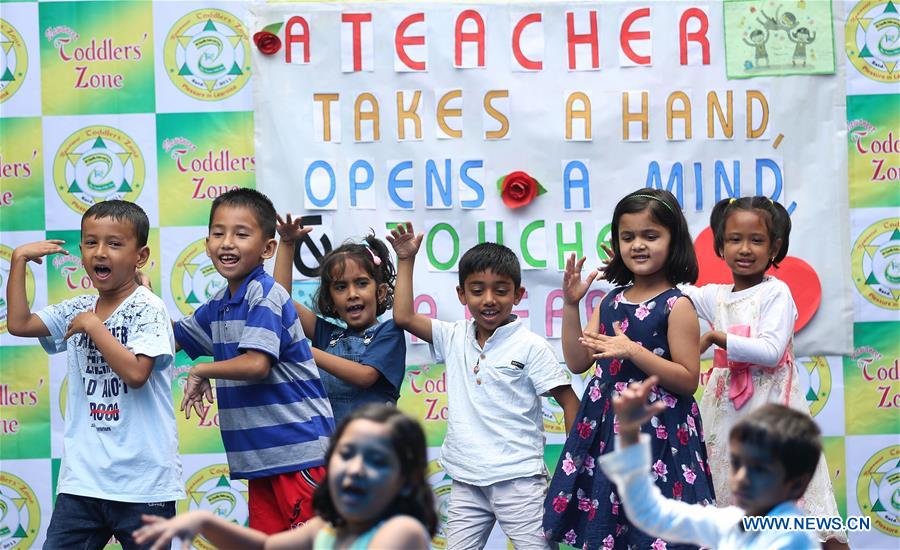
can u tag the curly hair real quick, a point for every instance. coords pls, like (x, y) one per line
(364, 254)
(408, 441)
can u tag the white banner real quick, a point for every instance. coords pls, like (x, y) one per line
(414, 111)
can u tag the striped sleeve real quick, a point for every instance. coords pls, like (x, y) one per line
(262, 329)
(194, 334)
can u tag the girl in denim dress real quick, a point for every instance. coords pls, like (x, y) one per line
(362, 360)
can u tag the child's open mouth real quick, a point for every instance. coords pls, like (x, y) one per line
(228, 259)
(489, 314)
(355, 309)
(102, 272)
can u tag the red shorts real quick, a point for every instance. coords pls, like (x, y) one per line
(284, 501)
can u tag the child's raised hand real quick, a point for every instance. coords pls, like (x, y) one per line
(631, 407)
(405, 241)
(574, 288)
(610, 254)
(33, 252)
(290, 229)
(161, 531)
(619, 346)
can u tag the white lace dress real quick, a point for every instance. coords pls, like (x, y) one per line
(760, 326)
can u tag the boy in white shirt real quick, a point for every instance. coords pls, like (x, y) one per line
(774, 453)
(120, 446)
(497, 370)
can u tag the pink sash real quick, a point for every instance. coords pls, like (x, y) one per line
(740, 389)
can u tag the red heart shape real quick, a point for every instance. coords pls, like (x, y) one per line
(799, 276)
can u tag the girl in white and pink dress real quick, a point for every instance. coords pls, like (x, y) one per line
(753, 328)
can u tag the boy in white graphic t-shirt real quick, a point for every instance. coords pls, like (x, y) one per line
(120, 457)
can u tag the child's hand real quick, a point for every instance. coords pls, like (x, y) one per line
(195, 389)
(82, 323)
(610, 255)
(142, 279)
(405, 242)
(609, 347)
(289, 229)
(33, 252)
(710, 338)
(162, 530)
(632, 411)
(574, 288)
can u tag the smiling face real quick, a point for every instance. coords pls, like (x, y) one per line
(747, 247)
(355, 294)
(236, 243)
(490, 299)
(110, 254)
(364, 473)
(643, 244)
(758, 481)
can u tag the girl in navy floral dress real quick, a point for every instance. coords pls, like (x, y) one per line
(647, 327)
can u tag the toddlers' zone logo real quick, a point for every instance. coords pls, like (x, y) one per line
(440, 485)
(819, 391)
(5, 258)
(194, 278)
(873, 40)
(20, 513)
(13, 60)
(210, 489)
(875, 263)
(207, 54)
(95, 164)
(878, 490)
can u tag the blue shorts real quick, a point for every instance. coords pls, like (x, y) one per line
(88, 522)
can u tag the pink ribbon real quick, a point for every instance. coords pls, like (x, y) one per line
(740, 389)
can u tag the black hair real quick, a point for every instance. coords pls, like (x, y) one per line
(757, 32)
(333, 264)
(257, 202)
(492, 257)
(773, 214)
(681, 263)
(408, 441)
(122, 211)
(792, 438)
(803, 30)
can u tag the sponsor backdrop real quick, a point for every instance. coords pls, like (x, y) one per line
(154, 102)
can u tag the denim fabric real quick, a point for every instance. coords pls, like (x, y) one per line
(87, 523)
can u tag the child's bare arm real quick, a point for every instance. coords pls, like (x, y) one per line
(219, 531)
(19, 318)
(578, 358)
(133, 369)
(569, 402)
(406, 244)
(249, 365)
(682, 373)
(290, 230)
(358, 374)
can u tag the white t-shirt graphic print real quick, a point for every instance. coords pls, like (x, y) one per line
(120, 443)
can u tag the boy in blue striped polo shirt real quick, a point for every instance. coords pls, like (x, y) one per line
(274, 414)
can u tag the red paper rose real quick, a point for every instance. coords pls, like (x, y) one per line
(518, 189)
(267, 42)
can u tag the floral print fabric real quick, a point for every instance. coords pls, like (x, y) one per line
(582, 508)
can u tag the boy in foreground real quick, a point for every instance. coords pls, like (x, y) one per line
(274, 414)
(120, 446)
(497, 370)
(774, 453)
